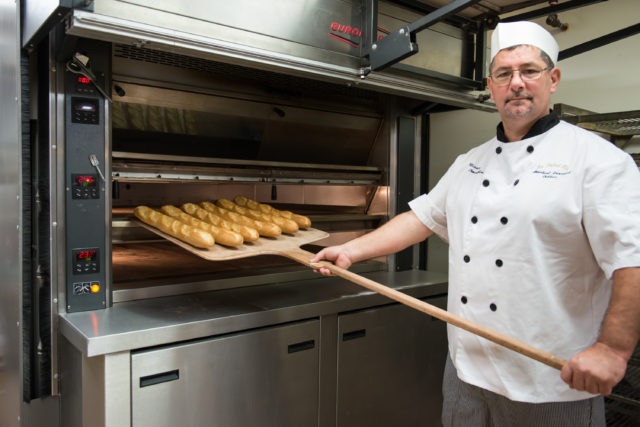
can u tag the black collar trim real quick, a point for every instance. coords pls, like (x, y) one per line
(541, 126)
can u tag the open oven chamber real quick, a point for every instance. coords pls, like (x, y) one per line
(213, 131)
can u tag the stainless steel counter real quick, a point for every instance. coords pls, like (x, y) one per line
(152, 322)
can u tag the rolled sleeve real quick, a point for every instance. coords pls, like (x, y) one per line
(431, 208)
(429, 214)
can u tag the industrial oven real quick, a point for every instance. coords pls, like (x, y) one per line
(140, 102)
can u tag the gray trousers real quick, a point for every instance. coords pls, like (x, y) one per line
(466, 405)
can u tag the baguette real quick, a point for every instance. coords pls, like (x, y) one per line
(220, 235)
(287, 225)
(301, 220)
(264, 228)
(248, 234)
(192, 235)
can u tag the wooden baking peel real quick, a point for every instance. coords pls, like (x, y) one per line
(289, 246)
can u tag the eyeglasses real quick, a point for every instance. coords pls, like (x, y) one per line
(528, 74)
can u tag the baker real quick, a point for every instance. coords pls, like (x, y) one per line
(543, 226)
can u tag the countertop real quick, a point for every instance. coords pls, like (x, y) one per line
(152, 322)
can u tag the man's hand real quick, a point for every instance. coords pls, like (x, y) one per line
(595, 370)
(336, 254)
(401, 232)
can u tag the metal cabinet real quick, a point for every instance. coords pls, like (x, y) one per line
(267, 377)
(390, 365)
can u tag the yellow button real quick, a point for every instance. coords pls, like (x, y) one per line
(95, 288)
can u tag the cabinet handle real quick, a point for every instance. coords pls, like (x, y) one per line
(301, 346)
(162, 377)
(360, 333)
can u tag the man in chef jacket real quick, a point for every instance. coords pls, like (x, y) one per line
(543, 226)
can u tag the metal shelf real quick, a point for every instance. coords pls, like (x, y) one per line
(620, 126)
(131, 167)
(626, 123)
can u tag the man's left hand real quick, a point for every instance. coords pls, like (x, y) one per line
(595, 370)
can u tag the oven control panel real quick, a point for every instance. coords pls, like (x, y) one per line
(85, 261)
(84, 187)
(87, 177)
(80, 288)
(85, 110)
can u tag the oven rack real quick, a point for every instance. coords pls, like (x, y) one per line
(143, 167)
(620, 127)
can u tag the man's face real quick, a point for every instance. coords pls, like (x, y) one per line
(521, 100)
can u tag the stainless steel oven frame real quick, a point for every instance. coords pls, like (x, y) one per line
(92, 352)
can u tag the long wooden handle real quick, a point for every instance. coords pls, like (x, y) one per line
(305, 257)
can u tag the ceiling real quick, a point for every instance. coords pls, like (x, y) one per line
(485, 7)
(494, 10)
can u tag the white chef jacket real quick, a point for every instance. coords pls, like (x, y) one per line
(536, 229)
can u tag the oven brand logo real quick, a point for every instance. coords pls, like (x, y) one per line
(351, 35)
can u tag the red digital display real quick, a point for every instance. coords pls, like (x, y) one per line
(86, 256)
(85, 180)
(84, 80)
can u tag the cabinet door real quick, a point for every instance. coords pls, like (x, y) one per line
(390, 366)
(267, 377)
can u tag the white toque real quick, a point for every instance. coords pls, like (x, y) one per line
(510, 34)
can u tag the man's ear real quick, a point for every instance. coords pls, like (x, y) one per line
(555, 75)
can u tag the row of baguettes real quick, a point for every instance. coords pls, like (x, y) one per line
(229, 223)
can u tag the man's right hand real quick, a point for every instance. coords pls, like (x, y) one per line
(339, 255)
(399, 233)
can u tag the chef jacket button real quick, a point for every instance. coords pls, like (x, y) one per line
(516, 182)
(485, 182)
(464, 300)
(504, 220)
(493, 307)
(466, 258)
(498, 150)
(530, 149)
(499, 262)
(474, 219)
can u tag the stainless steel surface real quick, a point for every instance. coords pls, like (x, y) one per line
(41, 15)
(57, 190)
(36, 13)
(115, 21)
(440, 46)
(298, 21)
(328, 370)
(10, 217)
(96, 391)
(235, 162)
(71, 378)
(283, 126)
(41, 412)
(143, 172)
(245, 379)
(114, 396)
(193, 376)
(395, 355)
(139, 324)
(393, 175)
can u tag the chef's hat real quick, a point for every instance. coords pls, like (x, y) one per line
(510, 34)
